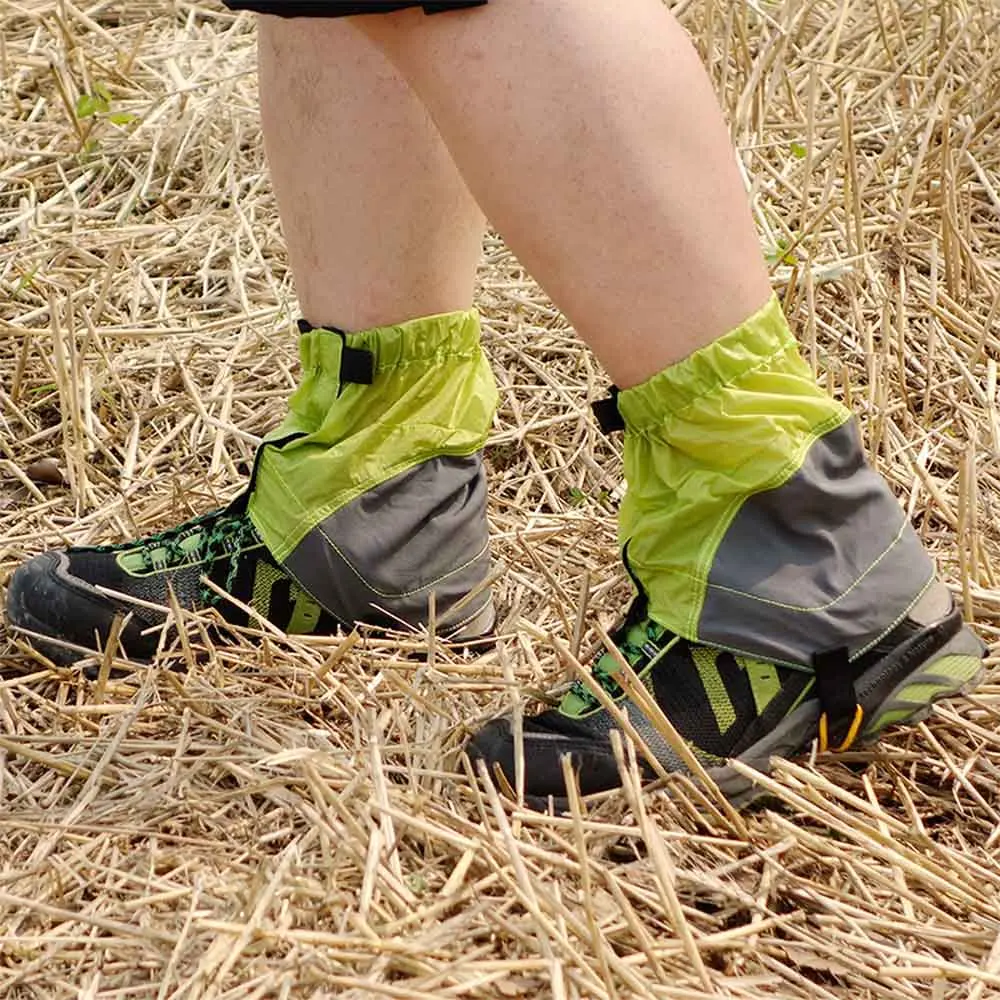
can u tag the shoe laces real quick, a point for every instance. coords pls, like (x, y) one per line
(219, 536)
(640, 640)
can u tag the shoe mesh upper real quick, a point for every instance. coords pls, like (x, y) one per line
(222, 545)
(103, 569)
(716, 701)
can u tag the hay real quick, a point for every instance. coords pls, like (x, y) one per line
(281, 818)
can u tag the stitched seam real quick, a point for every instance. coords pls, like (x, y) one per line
(456, 626)
(761, 657)
(821, 607)
(404, 593)
(894, 624)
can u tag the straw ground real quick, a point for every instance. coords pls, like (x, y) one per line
(270, 817)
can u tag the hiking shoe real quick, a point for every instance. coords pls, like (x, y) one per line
(366, 506)
(380, 569)
(74, 595)
(728, 706)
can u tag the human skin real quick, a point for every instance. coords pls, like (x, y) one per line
(593, 141)
(379, 224)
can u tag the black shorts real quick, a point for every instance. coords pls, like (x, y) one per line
(346, 8)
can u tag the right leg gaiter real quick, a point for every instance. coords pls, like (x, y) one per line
(752, 521)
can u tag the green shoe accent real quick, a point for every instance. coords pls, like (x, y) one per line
(223, 546)
(764, 681)
(640, 643)
(943, 678)
(644, 643)
(176, 547)
(270, 580)
(706, 660)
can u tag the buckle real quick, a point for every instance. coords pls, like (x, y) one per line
(357, 365)
(849, 738)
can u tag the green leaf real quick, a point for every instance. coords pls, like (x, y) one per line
(86, 106)
(782, 255)
(122, 118)
(799, 151)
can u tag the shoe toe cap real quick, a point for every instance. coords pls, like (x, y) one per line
(45, 598)
(33, 592)
(591, 758)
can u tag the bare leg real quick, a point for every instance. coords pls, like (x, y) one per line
(593, 141)
(380, 226)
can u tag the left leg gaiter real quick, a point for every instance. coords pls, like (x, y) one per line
(752, 521)
(372, 493)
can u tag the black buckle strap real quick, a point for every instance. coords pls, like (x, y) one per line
(357, 365)
(841, 715)
(607, 414)
(306, 327)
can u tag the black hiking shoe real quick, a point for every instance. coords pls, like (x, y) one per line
(728, 706)
(74, 595)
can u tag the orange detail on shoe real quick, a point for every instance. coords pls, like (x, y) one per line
(852, 733)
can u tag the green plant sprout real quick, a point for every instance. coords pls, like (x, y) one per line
(781, 254)
(98, 105)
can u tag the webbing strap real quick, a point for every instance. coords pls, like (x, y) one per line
(607, 413)
(357, 366)
(840, 714)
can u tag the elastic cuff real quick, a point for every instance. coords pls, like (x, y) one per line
(756, 343)
(418, 341)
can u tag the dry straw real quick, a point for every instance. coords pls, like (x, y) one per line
(284, 818)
